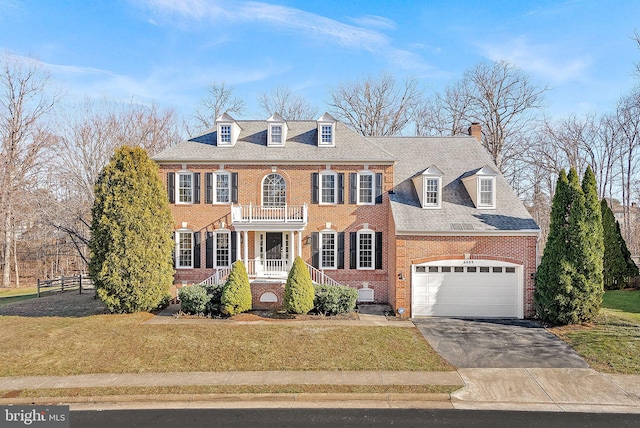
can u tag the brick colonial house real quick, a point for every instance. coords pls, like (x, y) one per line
(425, 224)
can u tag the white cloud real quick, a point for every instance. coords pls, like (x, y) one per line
(374, 21)
(550, 62)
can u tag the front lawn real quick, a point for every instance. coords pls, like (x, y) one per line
(121, 344)
(12, 295)
(612, 342)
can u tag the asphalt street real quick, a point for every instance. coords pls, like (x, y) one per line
(311, 418)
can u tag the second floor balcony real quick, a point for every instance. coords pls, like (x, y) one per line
(294, 215)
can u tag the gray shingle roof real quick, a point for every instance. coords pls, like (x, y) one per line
(455, 157)
(301, 146)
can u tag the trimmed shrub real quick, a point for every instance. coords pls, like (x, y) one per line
(298, 291)
(236, 295)
(214, 293)
(334, 299)
(193, 299)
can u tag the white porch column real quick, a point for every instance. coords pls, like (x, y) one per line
(238, 249)
(300, 243)
(245, 236)
(292, 249)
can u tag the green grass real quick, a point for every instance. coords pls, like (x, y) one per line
(612, 342)
(121, 344)
(12, 295)
(230, 389)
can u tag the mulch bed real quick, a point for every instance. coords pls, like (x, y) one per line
(67, 304)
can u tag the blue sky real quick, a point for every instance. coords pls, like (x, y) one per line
(168, 51)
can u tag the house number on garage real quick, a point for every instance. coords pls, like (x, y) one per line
(468, 262)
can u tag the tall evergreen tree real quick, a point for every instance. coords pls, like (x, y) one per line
(236, 294)
(131, 245)
(298, 291)
(565, 293)
(614, 263)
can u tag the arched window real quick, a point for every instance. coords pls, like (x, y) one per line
(274, 191)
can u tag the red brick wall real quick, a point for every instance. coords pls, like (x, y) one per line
(343, 217)
(420, 249)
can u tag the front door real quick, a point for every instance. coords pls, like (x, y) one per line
(274, 245)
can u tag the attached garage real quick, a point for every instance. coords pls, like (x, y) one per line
(467, 288)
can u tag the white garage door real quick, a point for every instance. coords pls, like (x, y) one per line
(477, 288)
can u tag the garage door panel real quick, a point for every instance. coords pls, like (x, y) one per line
(468, 294)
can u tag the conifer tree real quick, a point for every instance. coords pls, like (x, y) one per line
(298, 291)
(236, 294)
(131, 246)
(614, 263)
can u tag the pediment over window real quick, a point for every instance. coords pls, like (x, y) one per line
(428, 185)
(228, 130)
(277, 131)
(481, 186)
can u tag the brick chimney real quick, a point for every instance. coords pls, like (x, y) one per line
(475, 130)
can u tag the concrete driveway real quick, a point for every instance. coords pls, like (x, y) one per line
(497, 343)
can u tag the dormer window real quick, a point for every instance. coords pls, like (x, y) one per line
(326, 131)
(228, 131)
(481, 186)
(277, 131)
(429, 187)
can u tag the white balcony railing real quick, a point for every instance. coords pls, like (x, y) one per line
(268, 267)
(264, 214)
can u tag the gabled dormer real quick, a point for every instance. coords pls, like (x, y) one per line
(276, 131)
(228, 130)
(428, 185)
(326, 131)
(481, 186)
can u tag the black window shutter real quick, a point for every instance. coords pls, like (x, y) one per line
(209, 251)
(314, 188)
(234, 246)
(234, 187)
(196, 250)
(378, 250)
(341, 250)
(341, 188)
(352, 250)
(196, 187)
(378, 188)
(315, 253)
(208, 198)
(353, 187)
(171, 187)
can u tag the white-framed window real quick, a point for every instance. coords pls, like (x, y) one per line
(328, 249)
(432, 192)
(486, 192)
(276, 135)
(222, 249)
(365, 245)
(274, 191)
(184, 249)
(221, 188)
(184, 187)
(225, 134)
(328, 184)
(326, 135)
(365, 188)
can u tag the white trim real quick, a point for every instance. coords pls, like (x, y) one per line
(262, 189)
(523, 232)
(262, 161)
(179, 232)
(373, 249)
(335, 187)
(438, 203)
(373, 187)
(492, 205)
(335, 249)
(214, 186)
(215, 247)
(179, 174)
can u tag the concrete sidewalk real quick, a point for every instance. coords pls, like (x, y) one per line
(583, 390)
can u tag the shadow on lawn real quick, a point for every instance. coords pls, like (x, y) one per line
(68, 304)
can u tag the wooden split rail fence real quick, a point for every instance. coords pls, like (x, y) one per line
(65, 283)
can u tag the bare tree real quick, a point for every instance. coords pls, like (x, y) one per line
(446, 113)
(376, 106)
(290, 106)
(25, 101)
(219, 99)
(636, 38)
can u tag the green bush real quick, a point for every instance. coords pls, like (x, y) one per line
(236, 295)
(214, 293)
(193, 299)
(334, 299)
(298, 291)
